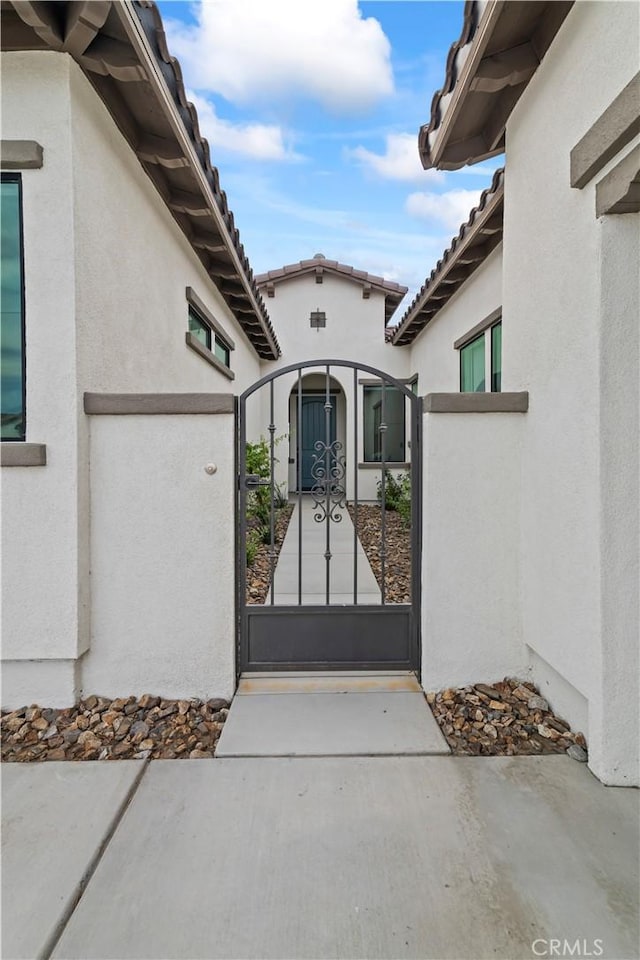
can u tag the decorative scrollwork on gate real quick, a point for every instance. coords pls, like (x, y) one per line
(328, 471)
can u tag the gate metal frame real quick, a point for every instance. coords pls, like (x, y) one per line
(313, 616)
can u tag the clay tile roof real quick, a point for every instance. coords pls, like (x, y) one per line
(112, 43)
(394, 292)
(477, 238)
(488, 67)
(151, 20)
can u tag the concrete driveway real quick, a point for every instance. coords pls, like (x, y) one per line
(345, 857)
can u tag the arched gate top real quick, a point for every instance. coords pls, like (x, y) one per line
(349, 364)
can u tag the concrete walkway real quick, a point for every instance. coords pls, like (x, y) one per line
(346, 714)
(342, 542)
(384, 857)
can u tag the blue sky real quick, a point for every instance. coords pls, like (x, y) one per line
(312, 112)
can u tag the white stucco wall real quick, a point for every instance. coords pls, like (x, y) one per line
(162, 557)
(133, 271)
(354, 332)
(555, 342)
(106, 267)
(43, 601)
(432, 353)
(471, 627)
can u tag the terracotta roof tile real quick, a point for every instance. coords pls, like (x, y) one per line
(420, 312)
(394, 292)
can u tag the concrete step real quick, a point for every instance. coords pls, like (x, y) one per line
(315, 682)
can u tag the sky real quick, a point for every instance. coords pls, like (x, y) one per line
(312, 111)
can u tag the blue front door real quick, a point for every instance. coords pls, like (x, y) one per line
(314, 429)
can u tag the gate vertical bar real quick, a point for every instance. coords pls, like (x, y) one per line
(355, 485)
(242, 531)
(299, 476)
(383, 511)
(327, 478)
(272, 547)
(416, 527)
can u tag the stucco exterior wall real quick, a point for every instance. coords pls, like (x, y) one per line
(555, 342)
(106, 269)
(43, 598)
(162, 557)
(432, 353)
(471, 626)
(135, 266)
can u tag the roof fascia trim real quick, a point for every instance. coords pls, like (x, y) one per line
(478, 43)
(484, 216)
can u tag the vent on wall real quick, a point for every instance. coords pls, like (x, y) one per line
(318, 319)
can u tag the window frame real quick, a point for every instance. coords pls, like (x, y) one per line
(483, 329)
(217, 336)
(479, 339)
(377, 408)
(492, 374)
(14, 177)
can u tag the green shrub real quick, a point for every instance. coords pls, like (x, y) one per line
(258, 458)
(253, 545)
(397, 494)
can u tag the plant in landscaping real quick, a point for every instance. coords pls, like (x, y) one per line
(397, 494)
(259, 501)
(254, 539)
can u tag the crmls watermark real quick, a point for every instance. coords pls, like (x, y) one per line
(567, 948)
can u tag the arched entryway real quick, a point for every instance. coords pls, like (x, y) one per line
(334, 438)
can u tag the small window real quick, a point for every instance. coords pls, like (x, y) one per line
(221, 350)
(472, 376)
(496, 358)
(207, 333)
(199, 328)
(394, 434)
(12, 310)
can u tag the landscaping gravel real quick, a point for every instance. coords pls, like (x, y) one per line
(507, 718)
(398, 549)
(98, 728)
(259, 572)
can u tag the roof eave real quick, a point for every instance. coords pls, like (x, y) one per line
(483, 83)
(477, 239)
(111, 42)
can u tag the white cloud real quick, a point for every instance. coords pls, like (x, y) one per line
(451, 208)
(400, 161)
(251, 49)
(257, 140)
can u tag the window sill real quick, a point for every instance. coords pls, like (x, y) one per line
(389, 465)
(20, 454)
(476, 402)
(207, 355)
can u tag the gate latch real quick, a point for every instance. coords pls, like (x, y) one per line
(252, 480)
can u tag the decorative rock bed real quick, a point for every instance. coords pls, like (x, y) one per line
(508, 718)
(98, 728)
(397, 572)
(259, 572)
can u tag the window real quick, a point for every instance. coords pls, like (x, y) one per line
(472, 377)
(200, 329)
(211, 340)
(206, 337)
(394, 435)
(496, 358)
(481, 355)
(12, 310)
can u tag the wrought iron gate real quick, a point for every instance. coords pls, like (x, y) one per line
(321, 611)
